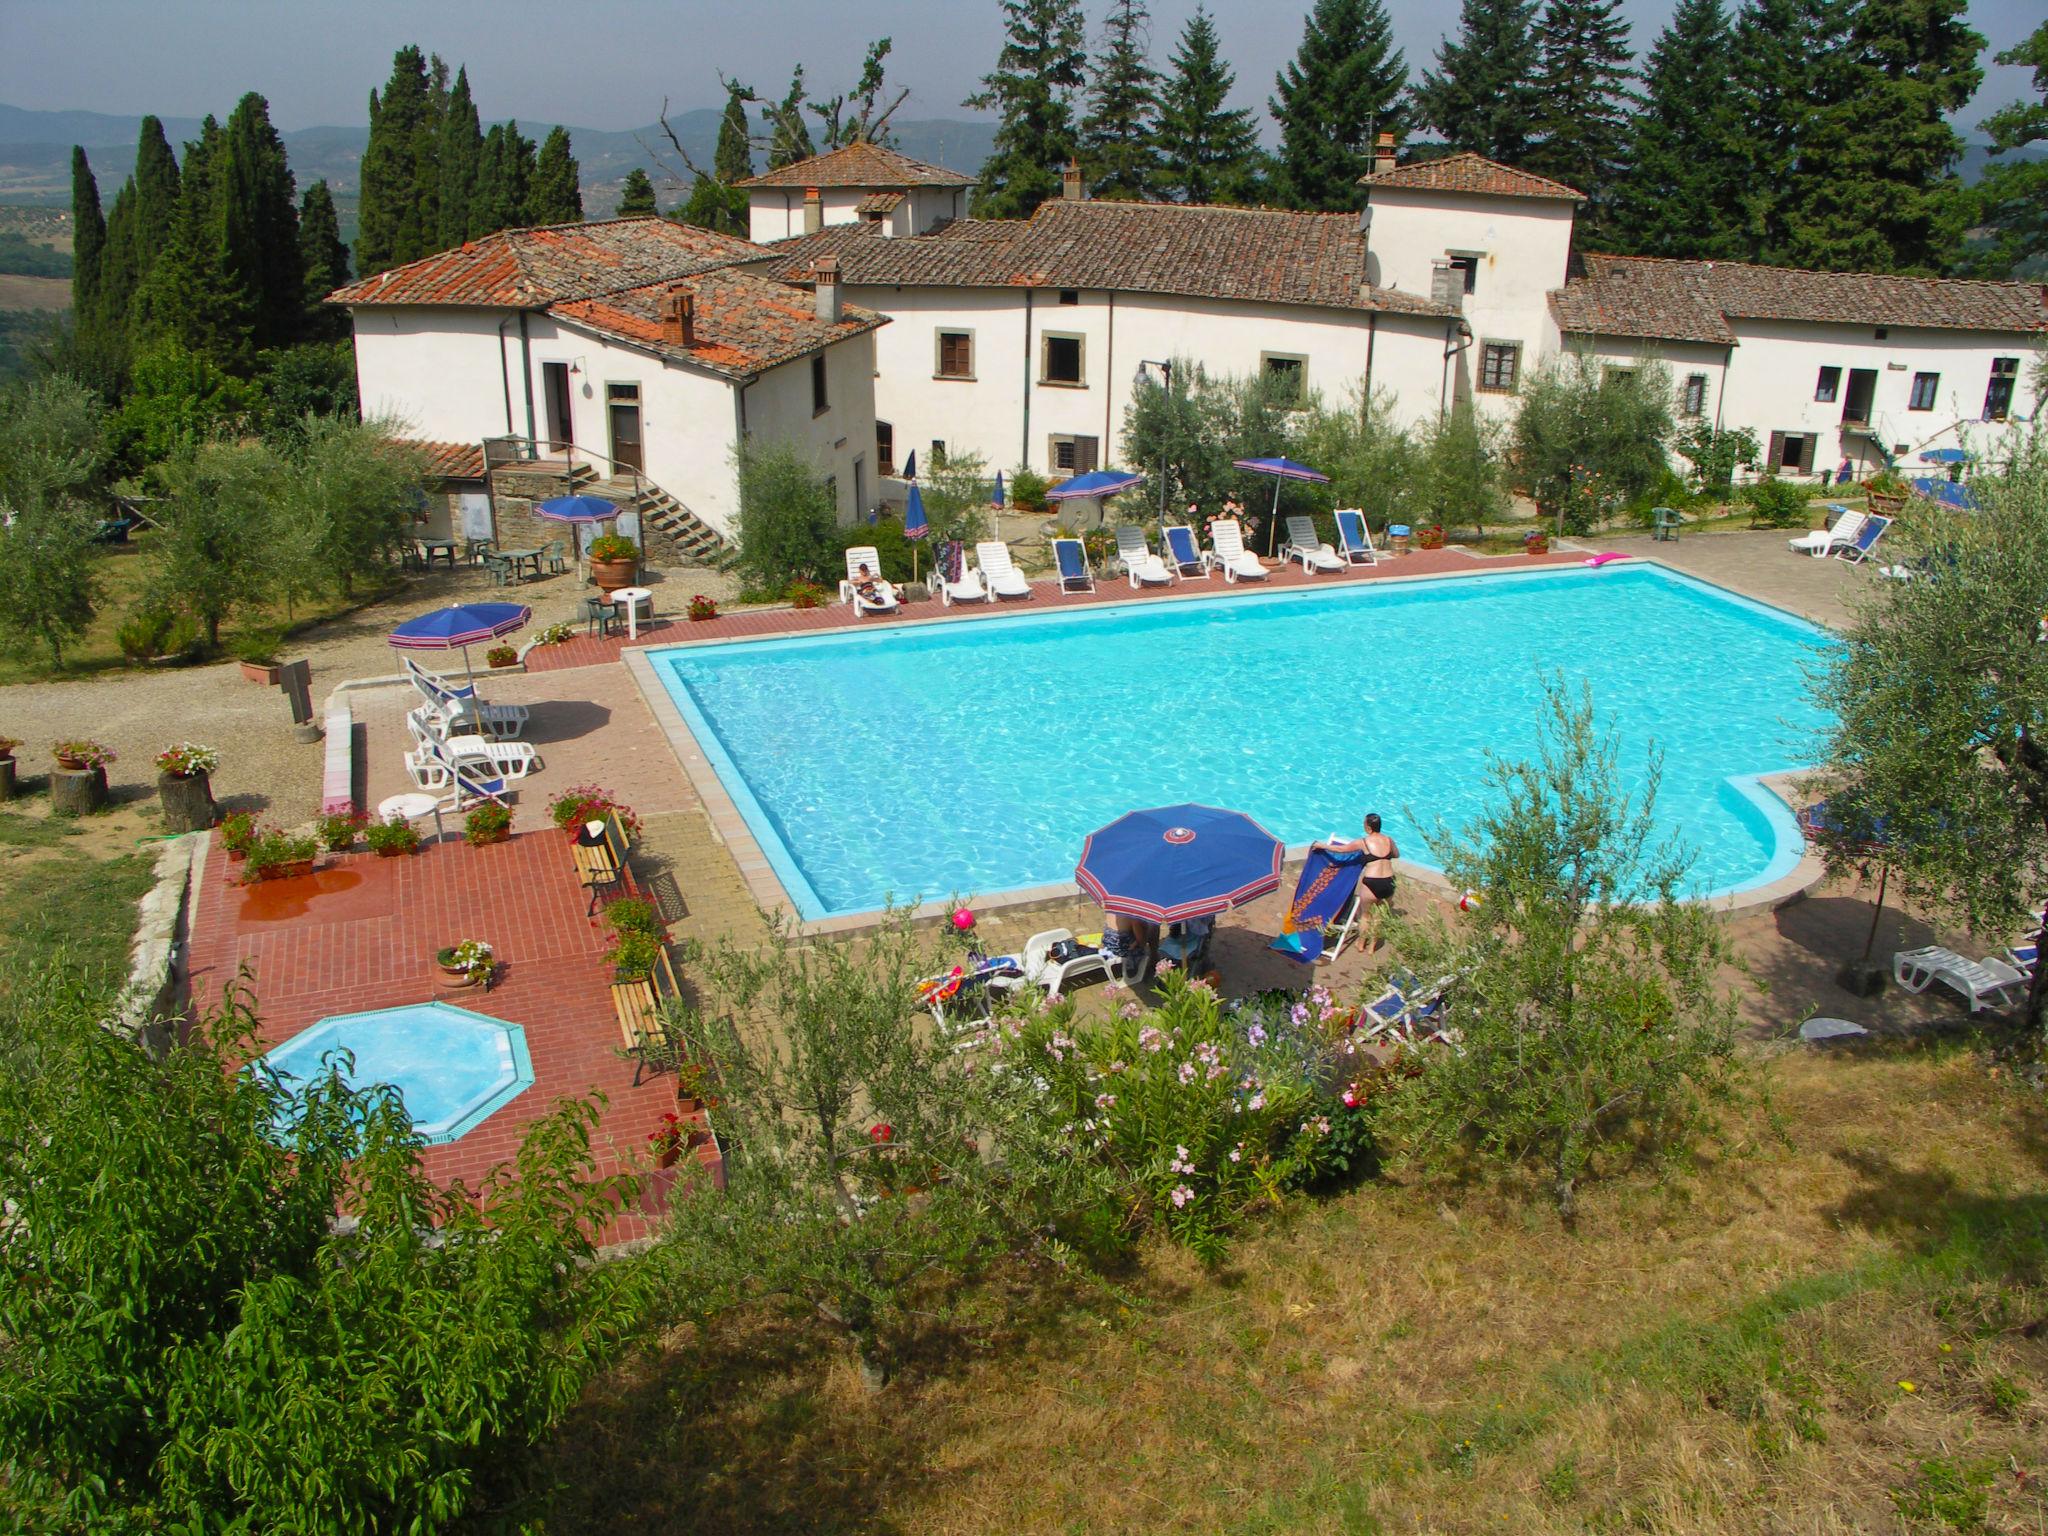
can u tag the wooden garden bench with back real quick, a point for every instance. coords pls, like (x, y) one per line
(602, 866)
(639, 1005)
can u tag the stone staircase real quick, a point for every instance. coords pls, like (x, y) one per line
(670, 532)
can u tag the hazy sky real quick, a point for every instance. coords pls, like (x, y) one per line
(608, 63)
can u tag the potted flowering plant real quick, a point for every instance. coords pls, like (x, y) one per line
(490, 822)
(667, 1139)
(584, 803)
(81, 752)
(392, 839)
(340, 831)
(187, 760)
(805, 594)
(614, 561)
(555, 634)
(1535, 542)
(702, 608)
(633, 955)
(278, 855)
(468, 964)
(502, 656)
(1430, 537)
(237, 833)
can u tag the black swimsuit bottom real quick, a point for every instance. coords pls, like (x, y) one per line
(1382, 886)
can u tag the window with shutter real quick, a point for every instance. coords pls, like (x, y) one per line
(956, 354)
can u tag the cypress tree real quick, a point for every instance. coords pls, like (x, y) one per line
(636, 196)
(158, 185)
(557, 192)
(1875, 188)
(504, 189)
(259, 225)
(119, 274)
(1481, 96)
(1583, 98)
(324, 258)
(395, 224)
(788, 139)
(458, 161)
(189, 297)
(88, 242)
(1345, 85)
(1208, 151)
(1032, 88)
(2013, 196)
(732, 159)
(1687, 159)
(1119, 136)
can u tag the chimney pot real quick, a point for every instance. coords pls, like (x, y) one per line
(1071, 189)
(1383, 156)
(678, 317)
(814, 211)
(825, 275)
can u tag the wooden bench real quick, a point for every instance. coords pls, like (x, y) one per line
(602, 866)
(638, 1005)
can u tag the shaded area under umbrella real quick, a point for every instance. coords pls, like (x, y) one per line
(1175, 862)
(1279, 470)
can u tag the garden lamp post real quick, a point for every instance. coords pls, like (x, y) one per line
(1138, 381)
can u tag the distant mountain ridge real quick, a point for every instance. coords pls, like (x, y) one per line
(35, 149)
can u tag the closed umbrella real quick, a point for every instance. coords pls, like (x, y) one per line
(1179, 861)
(1279, 469)
(448, 629)
(914, 524)
(996, 501)
(910, 466)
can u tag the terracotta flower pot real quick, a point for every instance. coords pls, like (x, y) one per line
(70, 762)
(502, 835)
(291, 871)
(666, 1154)
(259, 672)
(613, 574)
(1430, 538)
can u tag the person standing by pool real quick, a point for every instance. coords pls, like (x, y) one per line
(1380, 852)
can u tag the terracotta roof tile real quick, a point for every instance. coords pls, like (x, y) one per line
(742, 322)
(1255, 254)
(879, 202)
(531, 268)
(860, 165)
(449, 461)
(1468, 172)
(1696, 300)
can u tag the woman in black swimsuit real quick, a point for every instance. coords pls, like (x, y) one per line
(1380, 852)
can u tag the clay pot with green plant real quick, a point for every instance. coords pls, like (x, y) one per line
(393, 839)
(340, 831)
(1430, 536)
(237, 833)
(488, 823)
(614, 561)
(256, 653)
(81, 752)
(502, 656)
(472, 963)
(277, 855)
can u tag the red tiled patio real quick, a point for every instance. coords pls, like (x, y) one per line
(360, 933)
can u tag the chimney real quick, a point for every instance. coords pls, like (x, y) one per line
(1071, 189)
(825, 273)
(1446, 285)
(814, 211)
(678, 317)
(1383, 157)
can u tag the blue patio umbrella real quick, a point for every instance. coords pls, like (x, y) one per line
(1178, 861)
(1279, 469)
(910, 466)
(1950, 493)
(914, 524)
(448, 629)
(997, 499)
(1944, 456)
(1101, 482)
(577, 509)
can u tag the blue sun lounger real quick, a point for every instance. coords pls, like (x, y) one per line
(1073, 563)
(1325, 904)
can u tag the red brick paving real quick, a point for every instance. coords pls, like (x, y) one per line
(585, 651)
(360, 933)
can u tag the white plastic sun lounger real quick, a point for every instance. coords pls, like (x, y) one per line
(464, 782)
(1228, 554)
(1304, 545)
(1183, 554)
(501, 720)
(992, 559)
(1134, 554)
(1981, 981)
(862, 557)
(1354, 538)
(1822, 542)
(513, 759)
(1042, 970)
(968, 589)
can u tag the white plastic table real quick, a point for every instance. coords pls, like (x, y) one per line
(633, 597)
(410, 807)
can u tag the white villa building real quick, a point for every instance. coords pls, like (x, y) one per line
(630, 355)
(871, 317)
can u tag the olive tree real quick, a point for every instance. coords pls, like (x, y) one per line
(219, 523)
(1589, 438)
(1460, 469)
(788, 525)
(1586, 1021)
(358, 483)
(53, 457)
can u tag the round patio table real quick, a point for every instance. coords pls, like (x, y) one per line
(410, 807)
(633, 597)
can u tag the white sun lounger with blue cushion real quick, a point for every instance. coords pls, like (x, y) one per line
(1822, 542)
(448, 700)
(1858, 549)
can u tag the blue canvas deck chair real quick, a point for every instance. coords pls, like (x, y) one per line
(1183, 554)
(1072, 560)
(1858, 549)
(1354, 539)
(1324, 908)
(1406, 1007)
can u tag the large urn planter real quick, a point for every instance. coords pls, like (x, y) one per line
(187, 800)
(614, 574)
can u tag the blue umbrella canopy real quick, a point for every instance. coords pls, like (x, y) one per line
(1950, 493)
(914, 524)
(1944, 456)
(577, 509)
(997, 499)
(1281, 469)
(1178, 861)
(457, 628)
(1101, 482)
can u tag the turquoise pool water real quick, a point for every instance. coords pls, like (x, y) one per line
(971, 758)
(453, 1068)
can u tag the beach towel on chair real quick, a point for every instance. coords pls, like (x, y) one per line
(1322, 900)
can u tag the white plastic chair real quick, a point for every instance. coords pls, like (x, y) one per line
(863, 557)
(1134, 554)
(1228, 554)
(1042, 970)
(1822, 542)
(992, 558)
(1305, 545)
(968, 589)
(1981, 981)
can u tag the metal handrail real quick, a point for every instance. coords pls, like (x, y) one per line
(531, 452)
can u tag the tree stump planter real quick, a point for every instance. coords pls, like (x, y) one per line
(7, 790)
(187, 800)
(77, 791)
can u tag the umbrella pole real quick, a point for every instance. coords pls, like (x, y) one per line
(1273, 519)
(469, 671)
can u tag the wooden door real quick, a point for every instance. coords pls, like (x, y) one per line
(554, 378)
(622, 402)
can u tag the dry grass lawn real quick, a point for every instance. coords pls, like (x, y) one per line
(1726, 1351)
(37, 293)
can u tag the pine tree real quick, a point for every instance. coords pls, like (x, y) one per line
(395, 223)
(88, 242)
(1481, 96)
(504, 188)
(1583, 98)
(636, 196)
(1119, 136)
(458, 161)
(1683, 192)
(1875, 188)
(324, 258)
(1208, 152)
(557, 192)
(788, 139)
(1783, 46)
(732, 158)
(2013, 196)
(1346, 85)
(259, 225)
(1040, 68)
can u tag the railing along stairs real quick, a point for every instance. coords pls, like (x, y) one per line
(588, 472)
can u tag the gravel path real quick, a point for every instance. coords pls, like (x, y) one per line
(140, 712)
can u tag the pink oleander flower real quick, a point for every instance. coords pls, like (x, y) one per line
(1187, 1072)
(1104, 1100)
(1163, 967)
(1255, 1036)
(1237, 1153)
(1258, 1102)
(1132, 1011)
(1151, 1039)
(1181, 1195)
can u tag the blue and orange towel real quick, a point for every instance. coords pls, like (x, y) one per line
(1328, 882)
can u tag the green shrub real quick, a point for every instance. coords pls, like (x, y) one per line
(488, 823)
(145, 633)
(886, 535)
(631, 914)
(259, 647)
(273, 849)
(391, 838)
(1715, 454)
(1588, 439)
(788, 523)
(1775, 503)
(340, 831)
(633, 954)
(1026, 491)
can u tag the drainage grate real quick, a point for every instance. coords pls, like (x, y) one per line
(667, 897)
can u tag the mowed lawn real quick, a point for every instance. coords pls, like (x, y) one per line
(1844, 1330)
(68, 889)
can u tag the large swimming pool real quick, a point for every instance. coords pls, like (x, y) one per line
(972, 758)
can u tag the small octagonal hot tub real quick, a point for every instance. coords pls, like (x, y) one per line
(453, 1068)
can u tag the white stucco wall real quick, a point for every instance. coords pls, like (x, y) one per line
(777, 213)
(441, 372)
(988, 414)
(778, 408)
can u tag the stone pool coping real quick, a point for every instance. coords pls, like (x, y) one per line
(730, 829)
